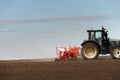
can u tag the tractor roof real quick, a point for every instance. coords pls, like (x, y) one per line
(94, 30)
(99, 30)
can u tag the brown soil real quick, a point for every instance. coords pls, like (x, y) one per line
(101, 69)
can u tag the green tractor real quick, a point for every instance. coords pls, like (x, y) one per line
(99, 43)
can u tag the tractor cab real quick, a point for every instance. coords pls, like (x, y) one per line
(99, 36)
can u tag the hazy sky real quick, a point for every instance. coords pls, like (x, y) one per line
(32, 29)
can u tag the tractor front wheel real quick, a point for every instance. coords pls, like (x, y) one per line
(116, 53)
(90, 51)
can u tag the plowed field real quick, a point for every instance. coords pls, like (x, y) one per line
(101, 69)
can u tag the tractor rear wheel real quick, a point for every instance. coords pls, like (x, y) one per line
(116, 53)
(90, 51)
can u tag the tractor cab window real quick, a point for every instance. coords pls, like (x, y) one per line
(92, 35)
(99, 37)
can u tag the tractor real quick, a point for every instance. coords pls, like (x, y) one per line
(66, 54)
(99, 43)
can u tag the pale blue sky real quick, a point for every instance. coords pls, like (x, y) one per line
(31, 29)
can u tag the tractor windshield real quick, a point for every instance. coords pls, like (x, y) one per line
(99, 37)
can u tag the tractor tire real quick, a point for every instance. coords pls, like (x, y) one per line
(115, 53)
(90, 51)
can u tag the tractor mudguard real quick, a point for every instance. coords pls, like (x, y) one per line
(90, 41)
